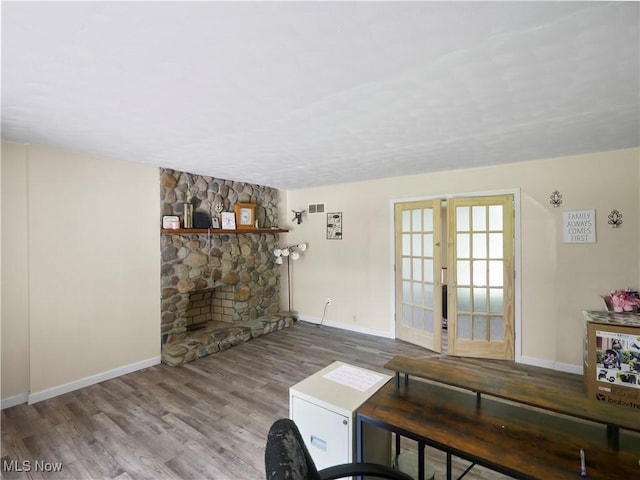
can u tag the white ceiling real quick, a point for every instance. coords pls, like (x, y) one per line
(298, 94)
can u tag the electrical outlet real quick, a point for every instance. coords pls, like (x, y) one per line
(328, 302)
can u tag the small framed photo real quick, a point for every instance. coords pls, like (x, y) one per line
(171, 222)
(215, 223)
(245, 215)
(228, 220)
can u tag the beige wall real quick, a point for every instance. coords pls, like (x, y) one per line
(558, 280)
(15, 299)
(94, 223)
(80, 270)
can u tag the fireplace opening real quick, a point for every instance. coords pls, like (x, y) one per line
(207, 305)
(199, 309)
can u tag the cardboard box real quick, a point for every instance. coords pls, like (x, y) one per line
(612, 358)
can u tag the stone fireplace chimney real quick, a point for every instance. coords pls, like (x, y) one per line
(216, 277)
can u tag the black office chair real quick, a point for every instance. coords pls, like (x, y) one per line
(286, 458)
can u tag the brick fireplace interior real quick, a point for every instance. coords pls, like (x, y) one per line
(209, 304)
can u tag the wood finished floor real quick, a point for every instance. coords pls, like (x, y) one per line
(205, 420)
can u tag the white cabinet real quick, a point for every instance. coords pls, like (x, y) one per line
(324, 405)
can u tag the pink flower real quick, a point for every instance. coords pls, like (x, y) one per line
(622, 300)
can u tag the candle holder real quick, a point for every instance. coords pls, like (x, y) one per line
(615, 218)
(556, 199)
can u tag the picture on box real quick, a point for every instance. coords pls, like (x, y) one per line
(618, 358)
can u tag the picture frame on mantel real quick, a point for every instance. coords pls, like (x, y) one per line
(228, 220)
(245, 215)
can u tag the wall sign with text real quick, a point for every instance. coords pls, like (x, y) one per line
(579, 226)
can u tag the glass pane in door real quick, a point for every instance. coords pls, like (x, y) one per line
(475, 272)
(417, 265)
(417, 258)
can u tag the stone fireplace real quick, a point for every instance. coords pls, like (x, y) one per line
(217, 288)
(238, 272)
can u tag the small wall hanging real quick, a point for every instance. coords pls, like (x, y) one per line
(556, 199)
(297, 216)
(334, 226)
(615, 218)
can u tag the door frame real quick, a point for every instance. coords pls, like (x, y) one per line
(517, 265)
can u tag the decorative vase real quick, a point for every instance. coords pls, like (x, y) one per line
(188, 215)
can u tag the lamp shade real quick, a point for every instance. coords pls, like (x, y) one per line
(279, 260)
(277, 252)
(295, 255)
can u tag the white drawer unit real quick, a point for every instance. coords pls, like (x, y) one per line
(324, 405)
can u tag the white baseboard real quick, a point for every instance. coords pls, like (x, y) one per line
(561, 367)
(351, 328)
(91, 380)
(15, 400)
(536, 362)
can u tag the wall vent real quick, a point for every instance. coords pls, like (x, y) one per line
(315, 208)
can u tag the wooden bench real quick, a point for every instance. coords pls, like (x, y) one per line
(526, 422)
(543, 388)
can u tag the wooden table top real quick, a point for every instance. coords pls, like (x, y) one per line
(512, 439)
(557, 392)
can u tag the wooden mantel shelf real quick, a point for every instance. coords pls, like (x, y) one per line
(218, 231)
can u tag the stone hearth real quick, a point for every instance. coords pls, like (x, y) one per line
(215, 336)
